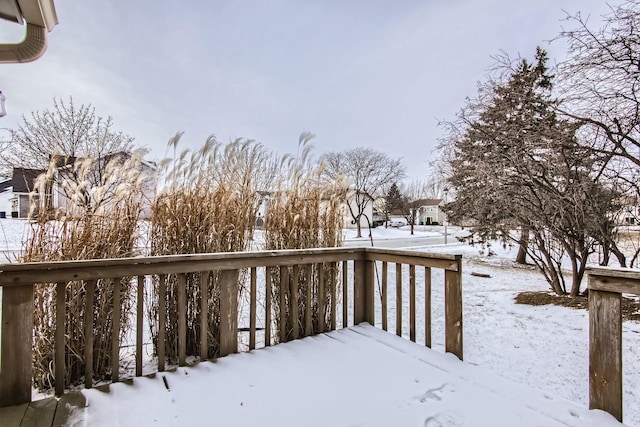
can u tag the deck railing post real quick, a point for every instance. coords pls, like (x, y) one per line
(605, 351)
(363, 295)
(228, 312)
(16, 344)
(453, 310)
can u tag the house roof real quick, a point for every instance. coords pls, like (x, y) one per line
(4, 185)
(23, 179)
(428, 202)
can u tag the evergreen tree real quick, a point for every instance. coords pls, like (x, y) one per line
(518, 166)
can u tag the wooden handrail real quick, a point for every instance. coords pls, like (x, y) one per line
(606, 286)
(282, 272)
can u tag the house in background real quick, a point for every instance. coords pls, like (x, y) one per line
(16, 192)
(429, 212)
(16, 196)
(350, 204)
(263, 207)
(6, 193)
(108, 172)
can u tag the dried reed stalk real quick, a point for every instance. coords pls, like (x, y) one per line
(208, 204)
(303, 213)
(98, 219)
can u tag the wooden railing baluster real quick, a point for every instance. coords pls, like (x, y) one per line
(61, 315)
(228, 312)
(284, 285)
(267, 306)
(398, 299)
(308, 307)
(345, 294)
(252, 309)
(88, 332)
(412, 302)
(427, 306)
(294, 302)
(162, 317)
(182, 319)
(139, 324)
(204, 315)
(332, 289)
(321, 298)
(115, 331)
(384, 292)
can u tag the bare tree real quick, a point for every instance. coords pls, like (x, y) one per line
(365, 173)
(66, 131)
(412, 199)
(600, 80)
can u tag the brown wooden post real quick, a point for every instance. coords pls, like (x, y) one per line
(182, 319)
(427, 306)
(252, 308)
(15, 353)
(267, 306)
(453, 310)
(139, 324)
(412, 302)
(345, 294)
(282, 290)
(363, 292)
(308, 325)
(204, 315)
(228, 312)
(384, 295)
(399, 299)
(88, 333)
(321, 298)
(605, 351)
(162, 320)
(61, 314)
(294, 302)
(332, 289)
(115, 331)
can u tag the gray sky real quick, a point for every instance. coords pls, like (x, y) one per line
(354, 73)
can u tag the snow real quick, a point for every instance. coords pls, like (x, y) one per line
(355, 376)
(381, 233)
(525, 347)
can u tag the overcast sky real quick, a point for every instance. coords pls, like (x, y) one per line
(355, 73)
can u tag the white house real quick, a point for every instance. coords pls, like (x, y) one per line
(108, 172)
(6, 193)
(429, 212)
(351, 205)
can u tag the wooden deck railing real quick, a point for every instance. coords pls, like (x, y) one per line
(606, 287)
(360, 274)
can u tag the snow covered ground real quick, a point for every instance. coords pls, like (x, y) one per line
(350, 377)
(543, 347)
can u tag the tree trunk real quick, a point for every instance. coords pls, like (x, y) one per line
(521, 258)
(358, 228)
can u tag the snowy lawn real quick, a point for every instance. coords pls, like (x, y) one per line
(545, 347)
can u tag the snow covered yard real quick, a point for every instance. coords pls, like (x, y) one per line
(545, 347)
